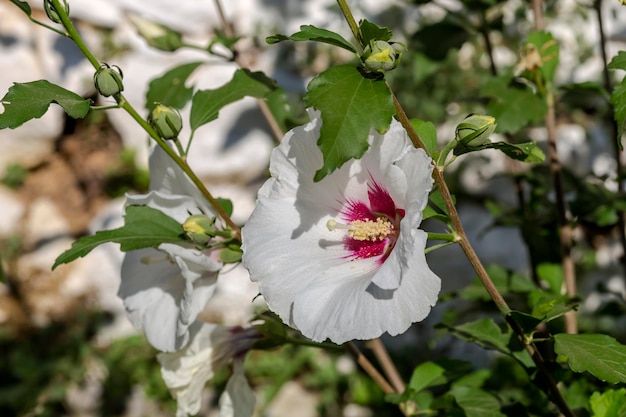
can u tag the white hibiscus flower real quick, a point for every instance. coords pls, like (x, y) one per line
(165, 289)
(187, 371)
(343, 258)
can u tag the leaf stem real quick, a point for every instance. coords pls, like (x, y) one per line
(369, 368)
(124, 104)
(565, 231)
(389, 368)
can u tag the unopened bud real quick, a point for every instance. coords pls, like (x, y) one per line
(475, 130)
(381, 56)
(158, 36)
(52, 13)
(166, 121)
(200, 229)
(108, 80)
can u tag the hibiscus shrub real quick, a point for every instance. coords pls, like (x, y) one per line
(483, 239)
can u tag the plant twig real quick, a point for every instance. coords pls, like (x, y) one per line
(369, 368)
(565, 231)
(389, 368)
(608, 86)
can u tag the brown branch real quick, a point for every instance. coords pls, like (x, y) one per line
(369, 368)
(389, 368)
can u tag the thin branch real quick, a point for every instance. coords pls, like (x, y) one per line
(565, 231)
(389, 368)
(369, 368)
(608, 86)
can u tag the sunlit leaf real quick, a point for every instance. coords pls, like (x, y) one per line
(618, 97)
(144, 227)
(169, 89)
(27, 101)
(427, 133)
(312, 33)
(476, 402)
(611, 403)
(599, 354)
(351, 105)
(372, 31)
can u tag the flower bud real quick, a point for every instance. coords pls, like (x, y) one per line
(475, 130)
(108, 80)
(200, 229)
(381, 56)
(166, 121)
(158, 36)
(52, 13)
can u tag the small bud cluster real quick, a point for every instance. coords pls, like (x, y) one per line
(166, 121)
(52, 12)
(475, 130)
(108, 80)
(381, 56)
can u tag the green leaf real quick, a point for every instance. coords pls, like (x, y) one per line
(618, 100)
(427, 133)
(351, 106)
(525, 152)
(144, 227)
(206, 104)
(552, 274)
(513, 107)
(548, 49)
(312, 33)
(436, 40)
(231, 254)
(476, 402)
(169, 89)
(527, 322)
(226, 204)
(427, 374)
(372, 31)
(599, 354)
(24, 6)
(486, 333)
(611, 403)
(27, 101)
(619, 61)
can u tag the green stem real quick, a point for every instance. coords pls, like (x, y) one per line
(310, 343)
(37, 22)
(443, 155)
(124, 104)
(354, 27)
(448, 237)
(438, 246)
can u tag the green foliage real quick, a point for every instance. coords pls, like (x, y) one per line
(548, 50)
(351, 105)
(372, 32)
(618, 96)
(169, 89)
(476, 402)
(599, 354)
(525, 152)
(206, 104)
(312, 33)
(513, 106)
(427, 133)
(26, 101)
(14, 175)
(611, 403)
(24, 6)
(144, 227)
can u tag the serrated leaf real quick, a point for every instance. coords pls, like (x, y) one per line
(611, 403)
(24, 6)
(427, 133)
(527, 322)
(351, 105)
(599, 354)
(618, 61)
(144, 227)
(485, 331)
(312, 33)
(226, 204)
(427, 374)
(548, 49)
(513, 107)
(206, 104)
(372, 31)
(26, 101)
(169, 89)
(476, 402)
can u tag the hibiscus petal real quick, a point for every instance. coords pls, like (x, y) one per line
(238, 399)
(160, 300)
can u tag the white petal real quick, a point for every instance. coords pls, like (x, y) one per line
(178, 207)
(238, 399)
(304, 271)
(159, 300)
(187, 371)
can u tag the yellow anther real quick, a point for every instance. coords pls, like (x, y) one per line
(370, 230)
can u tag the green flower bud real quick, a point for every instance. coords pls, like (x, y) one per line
(200, 229)
(52, 13)
(166, 121)
(475, 130)
(158, 36)
(108, 80)
(381, 56)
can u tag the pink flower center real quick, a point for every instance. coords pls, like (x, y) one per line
(373, 226)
